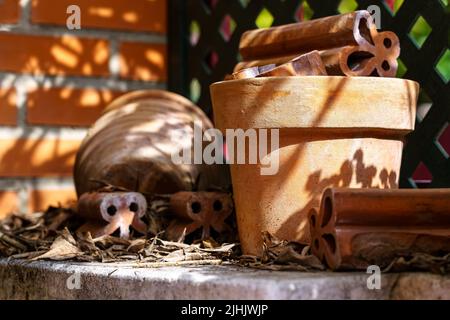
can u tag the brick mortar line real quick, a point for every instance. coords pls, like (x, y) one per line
(25, 14)
(18, 184)
(114, 61)
(23, 195)
(122, 36)
(25, 25)
(21, 105)
(42, 132)
(9, 79)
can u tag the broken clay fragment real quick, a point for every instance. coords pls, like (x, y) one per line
(309, 64)
(356, 228)
(274, 62)
(251, 72)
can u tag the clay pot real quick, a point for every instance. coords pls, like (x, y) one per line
(333, 132)
(131, 144)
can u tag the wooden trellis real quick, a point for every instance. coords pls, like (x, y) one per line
(205, 34)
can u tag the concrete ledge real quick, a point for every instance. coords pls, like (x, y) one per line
(48, 280)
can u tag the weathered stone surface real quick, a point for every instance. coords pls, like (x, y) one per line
(48, 280)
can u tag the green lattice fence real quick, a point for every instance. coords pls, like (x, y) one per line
(204, 39)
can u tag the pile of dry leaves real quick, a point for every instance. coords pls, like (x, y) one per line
(51, 236)
(283, 255)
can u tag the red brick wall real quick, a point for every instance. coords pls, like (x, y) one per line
(54, 83)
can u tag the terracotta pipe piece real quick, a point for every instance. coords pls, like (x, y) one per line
(367, 59)
(355, 28)
(356, 228)
(108, 212)
(309, 64)
(378, 59)
(199, 210)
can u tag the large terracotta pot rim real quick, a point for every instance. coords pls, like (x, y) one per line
(263, 79)
(316, 102)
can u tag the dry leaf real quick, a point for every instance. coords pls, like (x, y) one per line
(137, 245)
(290, 256)
(107, 241)
(420, 262)
(63, 248)
(31, 237)
(175, 256)
(283, 255)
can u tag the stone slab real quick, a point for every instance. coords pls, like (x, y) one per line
(49, 280)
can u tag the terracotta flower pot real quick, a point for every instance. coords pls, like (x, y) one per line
(333, 132)
(131, 145)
